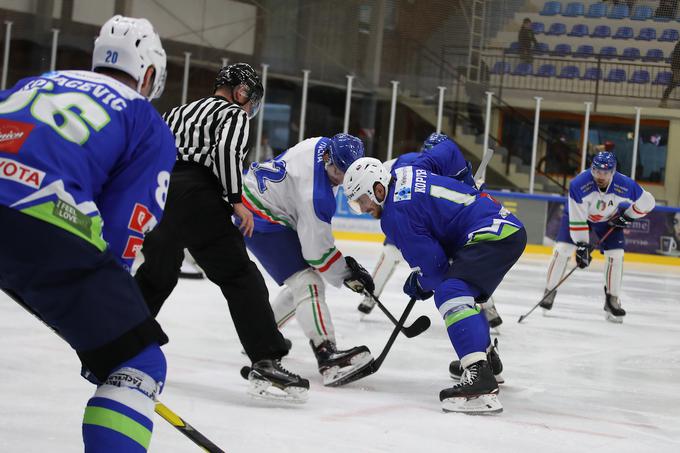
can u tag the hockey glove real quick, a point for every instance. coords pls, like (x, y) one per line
(359, 279)
(583, 255)
(620, 221)
(412, 288)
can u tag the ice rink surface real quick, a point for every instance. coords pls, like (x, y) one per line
(574, 382)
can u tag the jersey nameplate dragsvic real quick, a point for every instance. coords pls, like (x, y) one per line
(402, 188)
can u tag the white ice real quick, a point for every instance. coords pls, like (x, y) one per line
(574, 382)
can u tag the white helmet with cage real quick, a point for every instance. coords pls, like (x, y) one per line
(360, 179)
(131, 45)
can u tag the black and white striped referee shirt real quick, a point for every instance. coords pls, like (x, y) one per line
(212, 132)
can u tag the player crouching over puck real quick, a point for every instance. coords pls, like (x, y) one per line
(463, 243)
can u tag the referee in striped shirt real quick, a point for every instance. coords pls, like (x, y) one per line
(211, 136)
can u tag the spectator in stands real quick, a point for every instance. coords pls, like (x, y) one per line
(675, 78)
(667, 9)
(527, 41)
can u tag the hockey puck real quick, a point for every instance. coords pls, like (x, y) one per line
(245, 371)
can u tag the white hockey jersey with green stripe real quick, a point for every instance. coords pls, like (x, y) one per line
(293, 191)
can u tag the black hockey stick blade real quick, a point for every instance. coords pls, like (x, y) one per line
(419, 326)
(160, 408)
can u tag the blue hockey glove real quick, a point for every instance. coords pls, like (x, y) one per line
(412, 288)
(620, 221)
(359, 279)
(583, 255)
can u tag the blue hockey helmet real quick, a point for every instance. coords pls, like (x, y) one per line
(434, 139)
(345, 149)
(604, 161)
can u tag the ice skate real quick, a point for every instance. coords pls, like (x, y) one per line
(456, 370)
(613, 310)
(476, 393)
(270, 381)
(366, 306)
(341, 367)
(491, 314)
(190, 270)
(548, 301)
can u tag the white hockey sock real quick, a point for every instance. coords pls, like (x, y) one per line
(613, 271)
(308, 294)
(283, 306)
(561, 255)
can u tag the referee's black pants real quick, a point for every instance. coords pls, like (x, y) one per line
(197, 218)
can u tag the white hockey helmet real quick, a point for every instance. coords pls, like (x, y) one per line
(360, 178)
(131, 45)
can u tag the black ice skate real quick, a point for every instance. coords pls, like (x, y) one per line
(366, 306)
(548, 301)
(491, 314)
(456, 370)
(269, 380)
(612, 307)
(341, 367)
(476, 393)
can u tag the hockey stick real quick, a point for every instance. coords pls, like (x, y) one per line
(400, 324)
(160, 408)
(545, 296)
(480, 174)
(420, 325)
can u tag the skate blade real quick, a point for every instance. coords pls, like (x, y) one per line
(615, 319)
(546, 311)
(479, 404)
(265, 390)
(336, 376)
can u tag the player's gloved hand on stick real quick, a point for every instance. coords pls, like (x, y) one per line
(620, 221)
(359, 279)
(583, 255)
(412, 288)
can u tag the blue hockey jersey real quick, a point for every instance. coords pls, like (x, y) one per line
(429, 217)
(443, 159)
(88, 154)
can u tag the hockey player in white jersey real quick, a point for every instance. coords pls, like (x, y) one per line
(293, 199)
(594, 203)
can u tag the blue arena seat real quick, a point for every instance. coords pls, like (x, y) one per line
(501, 67)
(616, 75)
(597, 10)
(574, 9)
(578, 30)
(663, 78)
(653, 55)
(592, 74)
(601, 31)
(670, 35)
(584, 51)
(557, 29)
(514, 48)
(618, 12)
(647, 34)
(642, 12)
(538, 27)
(569, 72)
(624, 33)
(541, 48)
(562, 50)
(641, 76)
(630, 53)
(608, 52)
(551, 9)
(546, 70)
(523, 69)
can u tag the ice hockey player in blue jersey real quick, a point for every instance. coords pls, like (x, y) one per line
(595, 198)
(462, 242)
(84, 166)
(440, 155)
